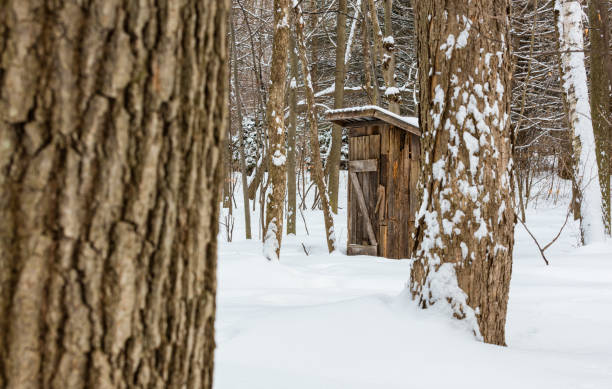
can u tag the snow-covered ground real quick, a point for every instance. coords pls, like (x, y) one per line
(333, 321)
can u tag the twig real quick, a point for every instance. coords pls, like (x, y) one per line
(306, 251)
(562, 227)
(304, 219)
(303, 203)
(534, 239)
(542, 249)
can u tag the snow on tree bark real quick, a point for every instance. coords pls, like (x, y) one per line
(112, 118)
(275, 120)
(465, 226)
(384, 49)
(291, 176)
(351, 37)
(576, 95)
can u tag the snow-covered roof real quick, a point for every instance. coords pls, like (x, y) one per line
(356, 116)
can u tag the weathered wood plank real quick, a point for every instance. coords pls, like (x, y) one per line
(363, 165)
(365, 190)
(362, 131)
(351, 214)
(384, 141)
(356, 249)
(403, 251)
(350, 124)
(374, 153)
(359, 227)
(391, 189)
(383, 244)
(363, 206)
(380, 201)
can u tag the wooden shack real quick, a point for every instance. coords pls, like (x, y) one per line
(383, 170)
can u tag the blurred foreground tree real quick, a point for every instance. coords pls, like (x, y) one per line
(111, 121)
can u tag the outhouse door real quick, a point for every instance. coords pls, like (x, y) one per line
(364, 158)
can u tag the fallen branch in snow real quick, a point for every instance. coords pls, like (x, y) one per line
(306, 251)
(542, 249)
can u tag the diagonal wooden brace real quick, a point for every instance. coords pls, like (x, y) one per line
(362, 205)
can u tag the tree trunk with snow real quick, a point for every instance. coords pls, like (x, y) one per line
(384, 48)
(333, 160)
(392, 93)
(317, 168)
(291, 178)
(111, 123)
(275, 121)
(575, 93)
(601, 96)
(465, 226)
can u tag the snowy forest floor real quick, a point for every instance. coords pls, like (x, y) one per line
(333, 321)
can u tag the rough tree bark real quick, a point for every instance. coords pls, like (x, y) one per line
(111, 121)
(291, 177)
(465, 225)
(333, 161)
(317, 166)
(367, 57)
(243, 171)
(575, 94)
(275, 121)
(601, 96)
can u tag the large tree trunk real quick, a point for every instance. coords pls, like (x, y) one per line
(291, 177)
(275, 121)
(601, 96)
(576, 97)
(317, 168)
(465, 226)
(111, 120)
(333, 162)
